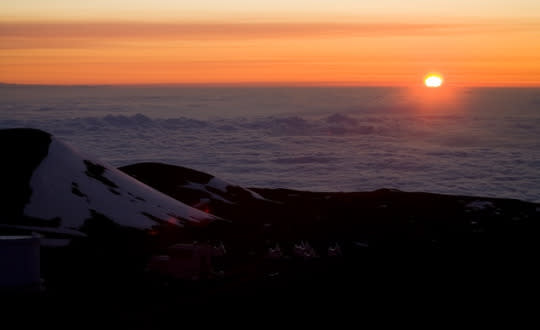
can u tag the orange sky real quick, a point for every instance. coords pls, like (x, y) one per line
(467, 51)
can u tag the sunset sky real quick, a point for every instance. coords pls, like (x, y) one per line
(385, 42)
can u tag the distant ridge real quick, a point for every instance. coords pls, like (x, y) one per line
(189, 185)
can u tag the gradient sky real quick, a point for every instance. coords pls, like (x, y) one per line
(387, 42)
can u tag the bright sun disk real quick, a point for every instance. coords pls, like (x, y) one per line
(433, 81)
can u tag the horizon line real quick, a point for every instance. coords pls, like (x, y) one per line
(264, 84)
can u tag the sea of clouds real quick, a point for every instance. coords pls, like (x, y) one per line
(311, 139)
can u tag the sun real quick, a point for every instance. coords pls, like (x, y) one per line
(433, 81)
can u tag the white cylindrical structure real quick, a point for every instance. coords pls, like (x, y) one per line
(19, 262)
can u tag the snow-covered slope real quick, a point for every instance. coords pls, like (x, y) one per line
(190, 185)
(222, 190)
(68, 188)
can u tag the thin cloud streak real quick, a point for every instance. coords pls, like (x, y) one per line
(233, 31)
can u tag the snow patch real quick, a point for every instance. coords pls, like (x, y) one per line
(219, 185)
(63, 169)
(202, 187)
(480, 205)
(361, 244)
(223, 185)
(256, 195)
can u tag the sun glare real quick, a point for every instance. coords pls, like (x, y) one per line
(433, 81)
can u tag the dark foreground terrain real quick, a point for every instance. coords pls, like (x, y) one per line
(275, 252)
(398, 250)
